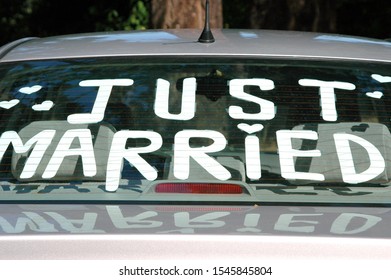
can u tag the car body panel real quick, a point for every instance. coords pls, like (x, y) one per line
(278, 44)
(151, 232)
(160, 219)
(66, 230)
(243, 249)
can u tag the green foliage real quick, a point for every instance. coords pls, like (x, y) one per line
(236, 13)
(14, 16)
(136, 19)
(24, 18)
(139, 17)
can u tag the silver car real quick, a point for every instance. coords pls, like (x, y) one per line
(151, 145)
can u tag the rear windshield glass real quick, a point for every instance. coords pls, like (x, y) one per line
(195, 130)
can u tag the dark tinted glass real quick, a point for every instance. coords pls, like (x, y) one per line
(195, 130)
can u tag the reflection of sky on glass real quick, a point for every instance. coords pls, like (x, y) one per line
(335, 38)
(28, 88)
(83, 96)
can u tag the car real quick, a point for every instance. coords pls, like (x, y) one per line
(152, 145)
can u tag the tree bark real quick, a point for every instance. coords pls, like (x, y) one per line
(185, 14)
(301, 15)
(325, 16)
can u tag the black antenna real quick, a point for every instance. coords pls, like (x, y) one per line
(206, 35)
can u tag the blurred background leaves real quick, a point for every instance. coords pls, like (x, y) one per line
(24, 18)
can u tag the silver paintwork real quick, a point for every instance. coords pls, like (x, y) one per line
(265, 43)
(235, 43)
(100, 239)
(192, 247)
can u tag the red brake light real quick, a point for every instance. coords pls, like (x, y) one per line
(199, 188)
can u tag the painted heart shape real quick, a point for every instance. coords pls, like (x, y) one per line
(375, 94)
(381, 79)
(44, 106)
(9, 104)
(250, 128)
(30, 90)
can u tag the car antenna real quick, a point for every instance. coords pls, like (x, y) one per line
(206, 35)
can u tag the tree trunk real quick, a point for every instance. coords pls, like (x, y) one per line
(325, 16)
(301, 15)
(185, 14)
(268, 14)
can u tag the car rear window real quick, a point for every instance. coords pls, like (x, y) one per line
(195, 130)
